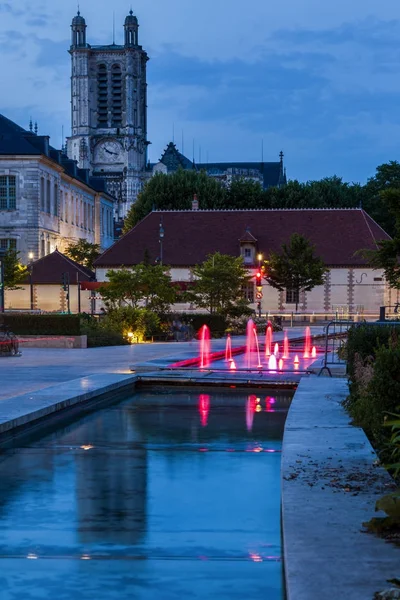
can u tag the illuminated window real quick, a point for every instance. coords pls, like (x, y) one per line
(248, 292)
(292, 296)
(8, 192)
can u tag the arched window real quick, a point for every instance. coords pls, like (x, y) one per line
(116, 83)
(102, 95)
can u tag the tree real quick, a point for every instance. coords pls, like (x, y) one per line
(375, 203)
(175, 192)
(142, 285)
(14, 271)
(83, 252)
(296, 267)
(219, 283)
(387, 256)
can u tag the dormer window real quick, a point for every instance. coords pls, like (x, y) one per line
(248, 246)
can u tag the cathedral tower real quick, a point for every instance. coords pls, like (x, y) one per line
(109, 110)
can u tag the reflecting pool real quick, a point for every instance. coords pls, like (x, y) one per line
(168, 495)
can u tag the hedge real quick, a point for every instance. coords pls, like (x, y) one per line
(24, 324)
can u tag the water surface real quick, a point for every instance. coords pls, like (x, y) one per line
(168, 495)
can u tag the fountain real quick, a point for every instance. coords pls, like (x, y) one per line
(259, 365)
(204, 408)
(276, 350)
(280, 364)
(233, 365)
(205, 344)
(252, 345)
(228, 349)
(272, 364)
(314, 352)
(307, 344)
(268, 340)
(286, 346)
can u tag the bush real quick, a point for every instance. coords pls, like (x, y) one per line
(25, 324)
(364, 341)
(100, 335)
(134, 324)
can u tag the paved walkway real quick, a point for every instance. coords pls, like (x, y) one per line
(329, 488)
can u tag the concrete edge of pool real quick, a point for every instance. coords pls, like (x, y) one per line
(33, 408)
(330, 483)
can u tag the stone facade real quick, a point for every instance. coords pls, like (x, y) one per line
(52, 208)
(109, 111)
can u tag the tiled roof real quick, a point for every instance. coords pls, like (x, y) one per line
(191, 235)
(174, 160)
(49, 270)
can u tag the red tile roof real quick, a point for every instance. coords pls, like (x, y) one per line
(49, 270)
(189, 236)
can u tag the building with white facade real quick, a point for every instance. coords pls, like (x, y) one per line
(339, 235)
(46, 201)
(109, 111)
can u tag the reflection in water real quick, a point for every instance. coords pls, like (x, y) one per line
(164, 476)
(204, 408)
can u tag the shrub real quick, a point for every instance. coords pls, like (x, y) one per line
(364, 341)
(134, 324)
(26, 324)
(216, 323)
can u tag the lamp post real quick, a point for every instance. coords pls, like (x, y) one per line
(259, 290)
(161, 236)
(2, 255)
(30, 269)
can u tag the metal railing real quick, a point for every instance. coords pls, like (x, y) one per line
(335, 337)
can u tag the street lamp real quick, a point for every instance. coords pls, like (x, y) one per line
(30, 269)
(161, 236)
(2, 255)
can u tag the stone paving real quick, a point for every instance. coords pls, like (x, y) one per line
(330, 484)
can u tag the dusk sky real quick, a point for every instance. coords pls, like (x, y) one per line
(319, 80)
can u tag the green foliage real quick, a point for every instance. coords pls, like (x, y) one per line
(175, 192)
(386, 257)
(99, 334)
(83, 252)
(389, 504)
(134, 324)
(218, 284)
(375, 202)
(14, 272)
(142, 284)
(296, 267)
(26, 324)
(394, 444)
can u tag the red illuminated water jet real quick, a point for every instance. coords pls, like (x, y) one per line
(307, 344)
(286, 346)
(314, 352)
(205, 345)
(250, 342)
(228, 348)
(268, 340)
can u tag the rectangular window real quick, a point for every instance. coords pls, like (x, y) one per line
(8, 192)
(292, 296)
(8, 244)
(42, 195)
(48, 196)
(248, 292)
(55, 199)
(247, 252)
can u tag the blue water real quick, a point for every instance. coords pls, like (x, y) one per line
(165, 496)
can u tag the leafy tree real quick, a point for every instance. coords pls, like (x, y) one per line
(83, 252)
(387, 256)
(142, 285)
(296, 267)
(375, 203)
(219, 282)
(175, 192)
(14, 271)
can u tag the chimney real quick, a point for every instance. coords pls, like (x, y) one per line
(195, 203)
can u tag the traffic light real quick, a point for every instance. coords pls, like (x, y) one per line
(258, 279)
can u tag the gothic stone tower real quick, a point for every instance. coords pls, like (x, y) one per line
(109, 111)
